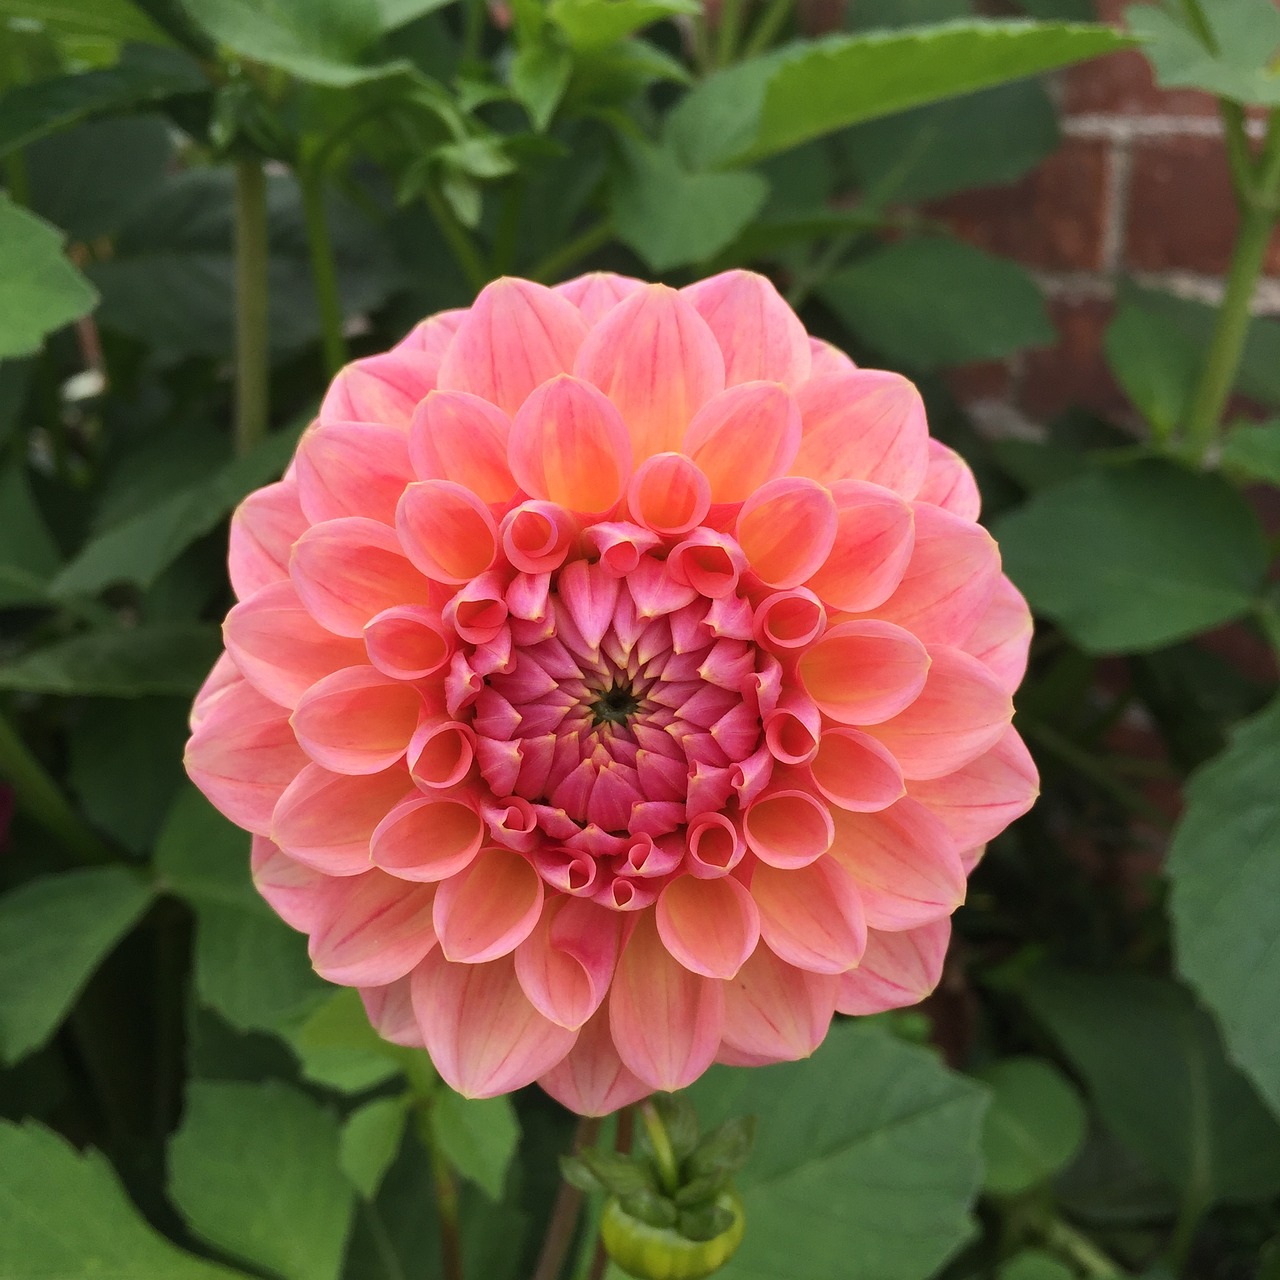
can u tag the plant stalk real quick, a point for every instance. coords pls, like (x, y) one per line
(252, 351)
(1071, 1245)
(663, 1152)
(324, 276)
(564, 1214)
(455, 236)
(767, 27)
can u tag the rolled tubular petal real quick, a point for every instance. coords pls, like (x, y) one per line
(787, 529)
(536, 536)
(898, 969)
(787, 826)
(263, 530)
(483, 1035)
(875, 535)
(441, 753)
(374, 932)
(789, 620)
(408, 642)
(446, 530)
(489, 908)
(427, 838)
(352, 469)
(774, 1012)
(710, 926)
(811, 916)
(761, 337)
(668, 494)
(590, 1079)
(666, 1020)
(566, 963)
(460, 437)
(743, 438)
(863, 672)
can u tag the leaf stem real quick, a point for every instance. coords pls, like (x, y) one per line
(1185, 1227)
(663, 1152)
(447, 1207)
(252, 350)
(728, 31)
(1258, 215)
(555, 264)
(324, 276)
(767, 26)
(1080, 1250)
(37, 794)
(565, 1212)
(455, 236)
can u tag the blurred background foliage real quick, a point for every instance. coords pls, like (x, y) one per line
(209, 207)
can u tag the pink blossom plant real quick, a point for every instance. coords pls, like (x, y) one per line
(620, 683)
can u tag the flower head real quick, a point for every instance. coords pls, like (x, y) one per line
(620, 683)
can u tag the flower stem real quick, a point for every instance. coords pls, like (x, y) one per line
(1258, 216)
(1070, 1244)
(767, 27)
(252, 353)
(447, 1207)
(38, 794)
(564, 1214)
(729, 31)
(323, 275)
(663, 1153)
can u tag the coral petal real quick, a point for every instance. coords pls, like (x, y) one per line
(263, 530)
(460, 437)
(710, 926)
(352, 469)
(294, 891)
(375, 931)
(486, 910)
(591, 1079)
(598, 292)
(743, 438)
(357, 720)
(875, 534)
(669, 494)
(1001, 640)
(566, 963)
(761, 337)
(390, 1010)
(898, 969)
(446, 530)
(774, 1012)
(787, 529)
(863, 672)
(811, 916)
(427, 838)
(786, 826)
(949, 483)
(856, 772)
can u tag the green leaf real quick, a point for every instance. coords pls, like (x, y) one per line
(370, 1139)
(1114, 560)
(338, 1048)
(1252, 450)
(203, 858)
(1034, 1126)
(933, 302)
(140, 549)
(31, 111)
(29, 556)
(124, 663)
(1034, 1264)
(539, 76)
(595, 24)
(1155, 362)
(1241, 64)
(106, 19)
(905, 1160)
(670, 217)
(42, 291)
(399, 13)
(478, 1136)
(54, 932)
(1224, 868)
(255, 1170)
(724, 1150)
(594, 1169)
(1156, 1073)
(67, 1216)
(767, 104)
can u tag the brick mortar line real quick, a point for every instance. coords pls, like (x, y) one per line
(1120, 126)
(1098, 286)
(1115, 213)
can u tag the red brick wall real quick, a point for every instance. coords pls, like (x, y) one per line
(1139, 188)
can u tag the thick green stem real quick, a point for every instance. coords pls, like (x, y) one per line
(554, 265)
(324, 276)
(566, 1211)
(37, 794)
(1258, 217)
(663, 1153)
(252, 350)
(729, 31)
(767, 27)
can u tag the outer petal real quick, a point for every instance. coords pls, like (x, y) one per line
(460, 437)
(856, 772)
(427, 837)
(875, 535)
(666, 1021)
(811, 916)
(827, 359)
(357, 720)
(373, 932)
(980, 799)
(656, 358)
(591, 1079)
(482, 1033)
(904, 863)
(711, 926)
(243, 755)
(489, 908)
(447, 531)
(898, 969)
(787, 529)
(293, 890)
(263, 530)
(390, 1010)
(863, 425)
(515, 336)
(598, 292)
(743, 438)
(960, 713)
(761, 337)
(1002, 638)
(566, 964)
(949, 484)
(222, 675)
(774, 1012)
(281, 650)
(352, 469)
(863, 672)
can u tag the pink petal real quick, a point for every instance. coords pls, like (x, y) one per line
(708, 562)
(570, 446)
(280, 648)
(222, 675)
(536, 536)
(294, 891)
(856, 772)
(489, 908)
(875, 534)
(787, 826)
(441, 753)
(375, 931)
(460, 437)
(326, 820)
(787, 529)
(243, 755)
(478, 613)
(515, 336)
(949, 484)
(620, 544)
(357, 720)
(949, 581)
(827, 359)
(427, 838)
(761, 337)
(715, 845)
(793, 728)
(263, 530)
(598, 292)
(1001, 640)
(904, 863)
(659, 363)
(791, 619)
(863, 672)
(447, 531)
(350, 569)
(961, 712)
(591, 1080)
(774, 1012)
(710, 926)
(898, 969)
(980, 799)
(666, 1021)
(483, 1035)
(863, 425)
(408, 642)
(567, 961)
(352, 469)
(811, 916)
(668, 494)
(390, 1010)
(743, 438)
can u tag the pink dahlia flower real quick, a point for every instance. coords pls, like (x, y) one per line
(620, 683)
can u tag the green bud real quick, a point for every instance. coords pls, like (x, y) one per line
(665, 1253)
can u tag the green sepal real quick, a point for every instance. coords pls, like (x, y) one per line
(704, 1223)
(702, 1189)
(649, 1207)
(593, 1170)
(724, 1150)
(680, 1121)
